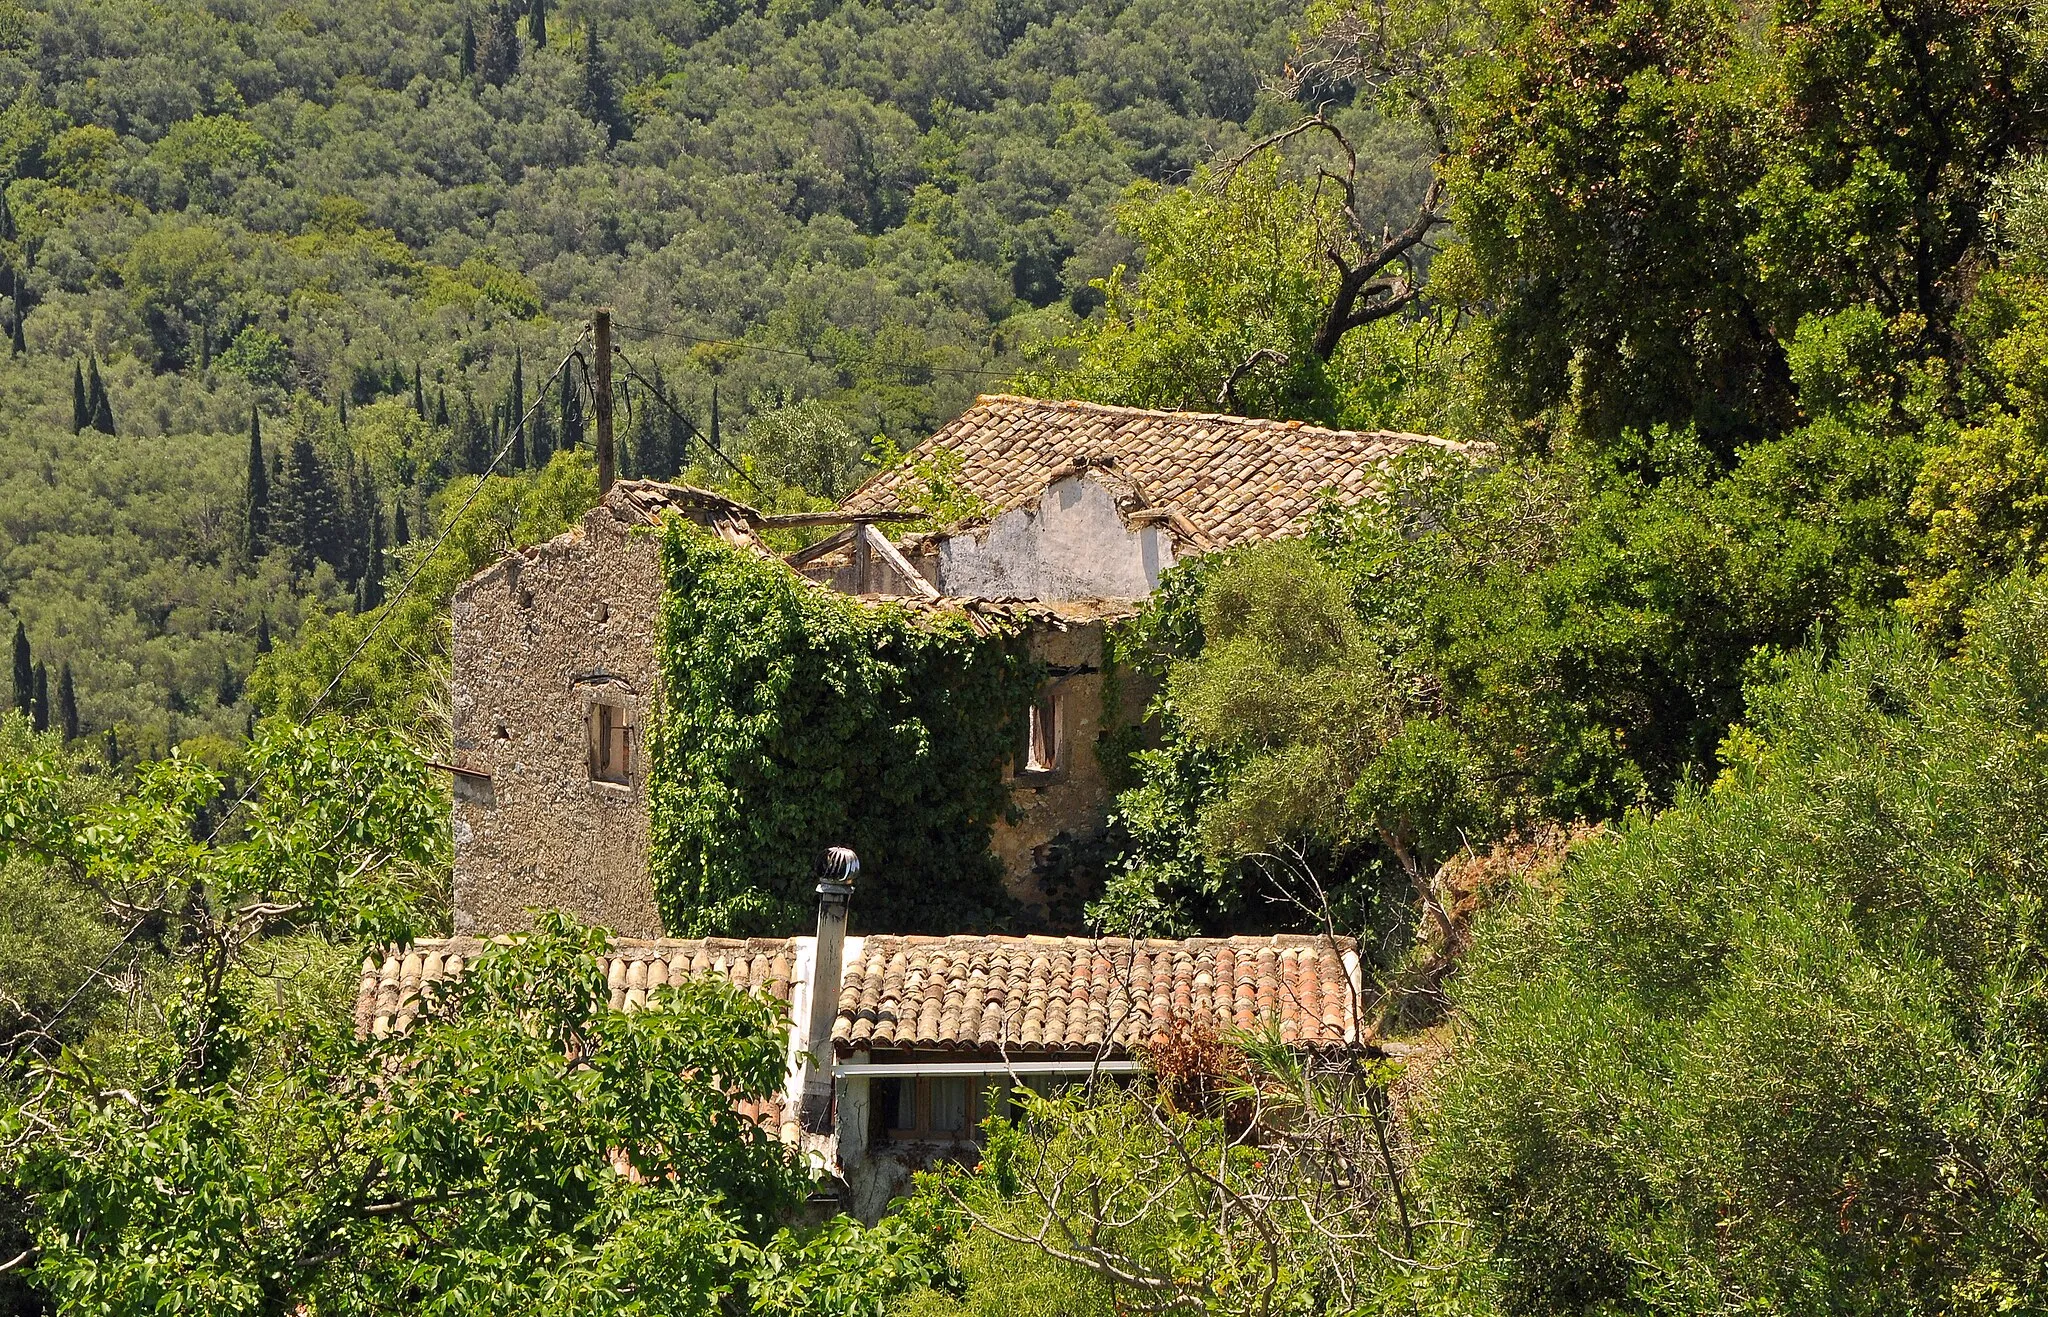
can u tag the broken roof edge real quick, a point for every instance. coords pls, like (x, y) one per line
(637, 505)
(1135, 508)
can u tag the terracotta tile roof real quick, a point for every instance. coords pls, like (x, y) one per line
(1039, 995)
(1024, 995)
(388, 995)
(1233, 478)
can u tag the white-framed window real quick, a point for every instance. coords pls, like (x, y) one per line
(611, 743)
(929, 1108)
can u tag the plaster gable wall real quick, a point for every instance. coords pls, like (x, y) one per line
(538, 639)
(1072, 544)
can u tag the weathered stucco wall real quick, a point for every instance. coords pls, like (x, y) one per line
(539, 640)
(1071, 544)
(1069, 807)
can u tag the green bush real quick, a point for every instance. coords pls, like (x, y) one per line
(1784, 1041)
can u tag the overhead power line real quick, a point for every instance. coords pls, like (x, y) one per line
(816, 358)
(383, 615)
(633, 374)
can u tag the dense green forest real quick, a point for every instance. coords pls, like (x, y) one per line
(378, 227)
(1679, 758)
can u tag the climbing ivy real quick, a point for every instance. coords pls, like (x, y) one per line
(795, 718)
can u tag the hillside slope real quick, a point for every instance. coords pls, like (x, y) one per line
(305, 208)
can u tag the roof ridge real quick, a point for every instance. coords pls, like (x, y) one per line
(1231, 418)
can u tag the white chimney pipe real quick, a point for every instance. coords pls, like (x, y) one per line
(836, 872)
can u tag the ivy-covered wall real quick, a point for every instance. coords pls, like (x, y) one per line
(794, 718)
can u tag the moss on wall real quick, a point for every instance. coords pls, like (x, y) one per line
(795, 718)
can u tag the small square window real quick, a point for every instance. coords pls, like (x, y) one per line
(611, 744)
(924, 1109)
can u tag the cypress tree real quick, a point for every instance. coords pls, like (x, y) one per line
(537, 24)
(263, 633)
(543, 428)
(24, 670)
(309, 515)
(359, 516)
(675, 435)
(498, 57)
(257, 504)
(470, 439)
(515, 459)
(373, 573)
(39, 700)
(401, 534)
(598, 98)
(8, 231)
(466, 64)
(226, 690)
(341, 405)
(99, 407)
(19, 347)
(81, 413)
(441, 409)
(67, 704)
(419, 394)
(649, 438)
(515, 410)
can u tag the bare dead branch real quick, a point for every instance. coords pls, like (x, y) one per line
(1226, 397)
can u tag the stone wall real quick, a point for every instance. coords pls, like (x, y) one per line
(1068, 809)
(540, 640)
(547, 635)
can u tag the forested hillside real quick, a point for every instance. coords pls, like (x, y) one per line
(371, 224)
(1678, 760)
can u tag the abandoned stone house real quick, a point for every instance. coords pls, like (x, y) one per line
(1071, 513)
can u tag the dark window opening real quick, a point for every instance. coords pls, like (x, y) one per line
(611, 745)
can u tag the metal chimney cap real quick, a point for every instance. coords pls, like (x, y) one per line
(837, 868)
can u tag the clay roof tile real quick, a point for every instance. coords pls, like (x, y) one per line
(1235, 478)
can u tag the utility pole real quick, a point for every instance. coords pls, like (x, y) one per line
(602, 322)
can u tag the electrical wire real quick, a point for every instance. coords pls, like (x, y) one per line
(660, 397)
(383, 615)
(813, 357)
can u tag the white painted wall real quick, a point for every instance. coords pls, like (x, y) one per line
(1072, 544)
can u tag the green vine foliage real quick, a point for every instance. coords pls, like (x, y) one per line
(795, 718)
